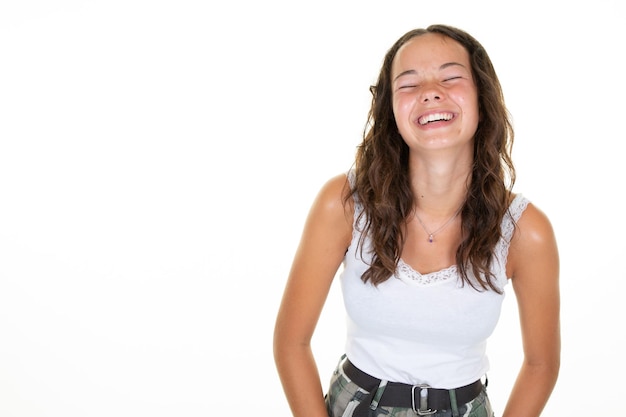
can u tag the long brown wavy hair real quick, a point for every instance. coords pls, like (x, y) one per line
(382, 183)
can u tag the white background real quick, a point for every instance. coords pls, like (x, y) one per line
(158, 158)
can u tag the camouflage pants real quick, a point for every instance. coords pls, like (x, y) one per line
(344, 396)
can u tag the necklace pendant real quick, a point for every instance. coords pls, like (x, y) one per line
(430, 238)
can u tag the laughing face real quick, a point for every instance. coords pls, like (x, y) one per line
(435, 99)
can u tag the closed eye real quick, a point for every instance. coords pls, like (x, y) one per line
(407, 86)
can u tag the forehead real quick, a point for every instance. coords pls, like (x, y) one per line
(427, 51)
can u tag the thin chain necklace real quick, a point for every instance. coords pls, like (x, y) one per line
(431, 235)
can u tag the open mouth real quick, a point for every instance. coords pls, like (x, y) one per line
(435, 117)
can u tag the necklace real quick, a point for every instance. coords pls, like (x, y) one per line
(431, 235)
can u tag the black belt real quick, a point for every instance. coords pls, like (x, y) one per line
(423, 399)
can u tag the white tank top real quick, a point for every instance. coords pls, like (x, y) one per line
(422, 329)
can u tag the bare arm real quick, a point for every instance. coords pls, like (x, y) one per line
(534, 269)
(325, 239)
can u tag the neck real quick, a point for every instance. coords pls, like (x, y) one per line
(440, 186)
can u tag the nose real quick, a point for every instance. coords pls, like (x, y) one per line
(431, 97)
(431, 92)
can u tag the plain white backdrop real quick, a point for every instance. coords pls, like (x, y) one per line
(158, 158)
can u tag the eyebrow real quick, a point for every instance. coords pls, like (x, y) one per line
(442, 67)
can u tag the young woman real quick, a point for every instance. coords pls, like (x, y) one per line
(429, 234)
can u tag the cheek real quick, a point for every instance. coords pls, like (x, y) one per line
(469, 103)
(476, 110)
(401, 108)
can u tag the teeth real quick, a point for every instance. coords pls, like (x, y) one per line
(434, 117)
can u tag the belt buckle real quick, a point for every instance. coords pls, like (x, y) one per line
(423, 409)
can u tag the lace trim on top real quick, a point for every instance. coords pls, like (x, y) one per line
(406, 273)
(517, 207)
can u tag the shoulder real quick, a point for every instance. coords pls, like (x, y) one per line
(333, 203)
(334, 195)
(533, 227)
(533, 241)
(335, 190)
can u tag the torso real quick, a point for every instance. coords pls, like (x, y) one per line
(435, 326)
